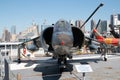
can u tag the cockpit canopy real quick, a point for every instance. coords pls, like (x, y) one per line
(62, 26)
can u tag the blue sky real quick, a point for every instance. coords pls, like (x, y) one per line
(22, 12)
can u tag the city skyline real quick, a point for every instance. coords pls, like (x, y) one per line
(23, 12)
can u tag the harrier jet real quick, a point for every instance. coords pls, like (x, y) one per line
(60, 39)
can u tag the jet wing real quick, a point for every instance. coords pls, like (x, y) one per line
(32, 44)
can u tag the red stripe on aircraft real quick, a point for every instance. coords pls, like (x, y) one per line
(115, 41)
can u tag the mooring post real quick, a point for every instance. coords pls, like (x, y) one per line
(18, 76)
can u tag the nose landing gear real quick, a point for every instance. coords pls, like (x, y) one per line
(62, 61)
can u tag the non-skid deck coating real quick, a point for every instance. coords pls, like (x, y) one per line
(45, 68)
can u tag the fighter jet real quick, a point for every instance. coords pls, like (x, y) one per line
(101, 39)
(106, 41)
(60, 39)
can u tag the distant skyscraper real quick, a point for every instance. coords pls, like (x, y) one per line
(13, 29)
(103, 26)
(93, 24)
(6, 35)
(115, 19)
(79, 23)
(119, 17)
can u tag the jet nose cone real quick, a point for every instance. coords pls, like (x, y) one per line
(62, 43)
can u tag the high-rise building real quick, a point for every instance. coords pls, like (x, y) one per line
(103, 26)
(79, 23)
(13, 34)
(119, 17)
(6, 36)
(115, 19)
(93, 24)
(13, 29)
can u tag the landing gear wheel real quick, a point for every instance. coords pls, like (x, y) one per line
(61, 69)
(59, 61)
(65, 61)
(62, 61)
(105, 59)
(19, 60)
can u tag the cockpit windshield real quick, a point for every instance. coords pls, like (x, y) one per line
(62, 26)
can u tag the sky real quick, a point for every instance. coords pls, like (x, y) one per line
(22, 13)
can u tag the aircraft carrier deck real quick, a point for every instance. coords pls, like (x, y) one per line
(46, 68)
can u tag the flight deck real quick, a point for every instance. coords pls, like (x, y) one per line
(46, 68)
